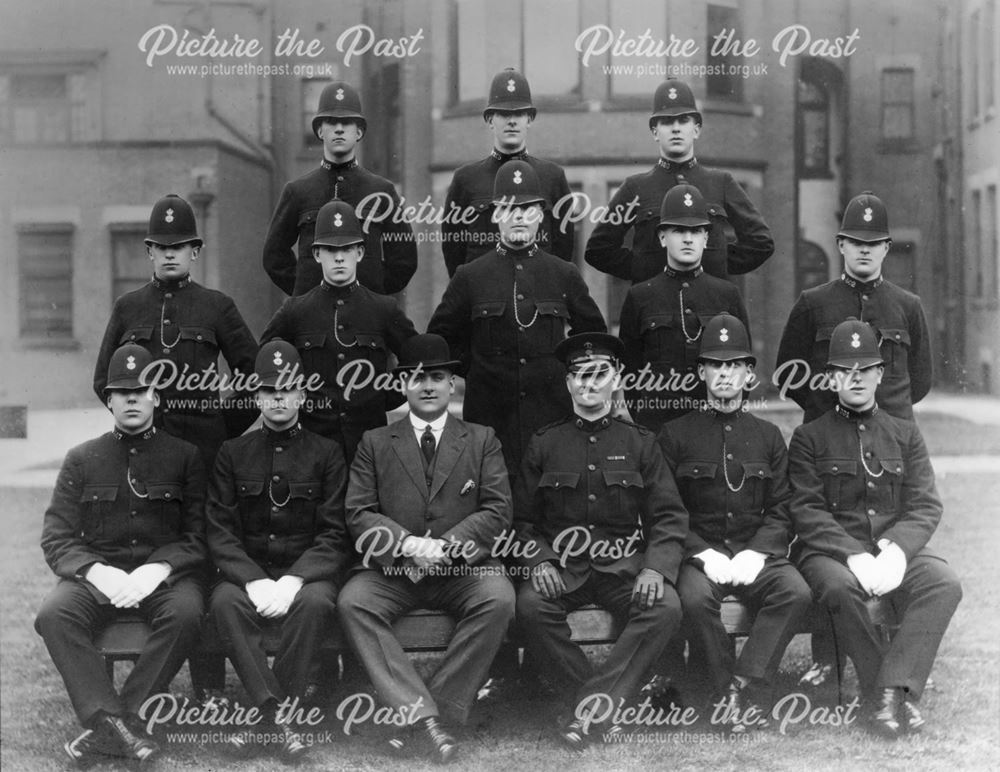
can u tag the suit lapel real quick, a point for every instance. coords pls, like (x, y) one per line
(449, 450)
(404, 444)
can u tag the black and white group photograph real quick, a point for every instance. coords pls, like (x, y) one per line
(541, 384)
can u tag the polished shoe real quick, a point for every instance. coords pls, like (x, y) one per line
(741, 710)
(131, 744)
(91, 745)
(884, 719)
(662, 693)
(573, 734)
(817, 675)
(291, 744)
(441, 745)
(910, 718)
(212, 700)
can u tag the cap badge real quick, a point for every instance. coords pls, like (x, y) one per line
(868, 215)
(588, 346)
(338, 220)
(855, 340)
(277, 359)
(510, 85)
(688, 201)
(340, 94)
(517, 177)
(170, 215)
(672, 93)
(723, 335)
(130, 363)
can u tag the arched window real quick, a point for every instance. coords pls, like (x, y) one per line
(811, 266)
(815, 91)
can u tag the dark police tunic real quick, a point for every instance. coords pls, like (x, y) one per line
(390, 251)
(661, 323)
(732, 472)
(343, 332)
(606, 483)
(898, 319)
(503, 315)
(858, 477)
(186, 325)
(276, 507)
(124, 500)
(738, 239)
(470, 197)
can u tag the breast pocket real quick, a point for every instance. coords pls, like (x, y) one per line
(895, 349)
(695, 480)
(166, 500)
(720, 231)
(556, 488)
(891, 481)
(550, 325)
(488, 327)
(625, 489)
(757, 476)
(251, 512)
(836, 473)
(140, 335)
(307, 224)
(304, 497)
(663, 340)
(201, 347)
(96, 502)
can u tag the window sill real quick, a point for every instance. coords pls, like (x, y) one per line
(40, 343)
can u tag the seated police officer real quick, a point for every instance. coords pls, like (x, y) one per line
(124, 533)
(276, 533)
(864, 506)
(427, 499)
(732, 472)
(600, 521)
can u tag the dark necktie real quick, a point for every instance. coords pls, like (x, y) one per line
(427, 445)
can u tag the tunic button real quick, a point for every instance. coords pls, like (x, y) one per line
(199, 337)
(897, 336)
(864, 297)
(591, 467)
(696, 470)
(134, 512)
(340, 302)
(871, 513)
(685, 285)
(522, 361)
(278, 449)
(688, 311)
(95, 497)
(275, 508)
(132, 336)
(132, 451)
(729, 456)
(169, 295)
(341, 357)
(729, 515)
(166, 495)
(652, 324)
(272, 537)
(836, 469)
(591, 497)
(484, 312)
(340, 326)
(729, 428)
(593, 440)
(166, 350)
(277, 478)
(340, 178)
(166, 321)
(868, 454)
(520, 297)
(134, 542)
(520, 329)
(871, 484)
(899, 469)
(861, 427)
(519, 267)
(308, 343)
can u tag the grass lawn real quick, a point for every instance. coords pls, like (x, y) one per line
(963, 730)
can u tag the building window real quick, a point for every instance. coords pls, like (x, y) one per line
(386, 135)
(814, 130)
(131, 267)
(976, 243)
(898, 115)
(311, 88)
(811, 266)
(975, 31)
(901, 265)
(45, 267)
(989, 56)
(723, 82)
(41, 108)
(638, 76)
(991, 247)
(540, 37)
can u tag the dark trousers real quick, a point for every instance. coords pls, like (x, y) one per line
(482, 604)
(923, 604)
(645, 633)
(303, 630)
(70, 618)
(778, 598)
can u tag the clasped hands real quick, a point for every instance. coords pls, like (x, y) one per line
(124, 589)
(881, 574)
(741, 569)
(273, 597)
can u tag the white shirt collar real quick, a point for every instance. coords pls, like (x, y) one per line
(437, 426)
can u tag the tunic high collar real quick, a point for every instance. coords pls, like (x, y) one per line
(856, 415)
(276, 438)
(519, 253)
(863, 287)
(676, 166)
(330, 166)
(132, 439)
(592, 426)
(171, 285)
(673, 273)
(339, 292)
(502, 158)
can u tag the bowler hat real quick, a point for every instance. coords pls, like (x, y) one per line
(428, 352)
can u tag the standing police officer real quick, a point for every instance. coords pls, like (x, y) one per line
(864, 505)
(391, 250)
(732, 471)
(344, 333)
(124, 532)
(861, 292)
(739, 240)
(508, 113)
(519, 299)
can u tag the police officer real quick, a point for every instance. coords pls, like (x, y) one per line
(184, 326)
(739, 240)
(519, 299)
(662, 319)
(509, 113)
(864, 505)
(392, 252)
(861, 292)
(276, 533)
(344, 333)
(600, 521)
(123, 532)
(731, 468)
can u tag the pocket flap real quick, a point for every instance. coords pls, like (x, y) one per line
(198, 334)
(304, 490)
(759, 470)
(847, 466)
(310, 340)
(559, 480)
(892, 465)
(99, 493)
(249, 487)
(308, 216)
(168, 491)
(491, 309)
(894, 335)
(136, 334)
(661, 320)
(552, 308)
(630, 479)
(697, 470)
(824, 333)
(368, 340)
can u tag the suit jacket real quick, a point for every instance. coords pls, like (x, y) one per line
(388, 496)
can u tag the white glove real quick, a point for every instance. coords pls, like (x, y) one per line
(891, 563)
(746, 566)
(864, 568)
(109, 580)
(718, 567)
(149, 576)
(263, 595)
(285, 590)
